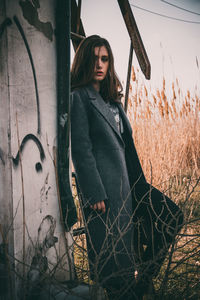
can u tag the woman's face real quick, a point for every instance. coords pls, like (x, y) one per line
(101, 63)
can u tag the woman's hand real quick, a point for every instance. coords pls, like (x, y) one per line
(100, 206)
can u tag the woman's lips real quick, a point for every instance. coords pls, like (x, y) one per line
(99, 73)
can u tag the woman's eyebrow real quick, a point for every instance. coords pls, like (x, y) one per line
(103, 56)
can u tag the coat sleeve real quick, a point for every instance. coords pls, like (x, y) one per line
(83, 159)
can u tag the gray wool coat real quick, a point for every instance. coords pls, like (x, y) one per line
(108, 168)
(98, 153)
(98, 150)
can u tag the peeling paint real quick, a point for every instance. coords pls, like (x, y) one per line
(30, 13)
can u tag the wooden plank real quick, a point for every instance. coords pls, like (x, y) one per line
(76, 23)
(135, 37)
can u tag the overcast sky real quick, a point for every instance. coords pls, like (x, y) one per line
(172, 46)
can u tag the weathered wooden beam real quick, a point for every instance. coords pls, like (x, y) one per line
(77, 37)
(135, 37)
(76, 23)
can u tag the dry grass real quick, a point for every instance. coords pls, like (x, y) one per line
(165, 130)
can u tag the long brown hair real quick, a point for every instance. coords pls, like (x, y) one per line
(83, 69)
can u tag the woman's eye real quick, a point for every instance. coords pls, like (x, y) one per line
(104, 58)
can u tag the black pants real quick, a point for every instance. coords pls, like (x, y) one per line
(157, 221)
(122, 288)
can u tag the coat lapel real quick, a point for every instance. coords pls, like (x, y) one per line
(124, 117)
(102, 107)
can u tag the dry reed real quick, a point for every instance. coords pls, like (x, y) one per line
(165, 130)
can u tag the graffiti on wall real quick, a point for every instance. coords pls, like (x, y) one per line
(27, 138)
(45, 239)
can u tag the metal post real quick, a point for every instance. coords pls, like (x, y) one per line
(128, 77)
(63, 24)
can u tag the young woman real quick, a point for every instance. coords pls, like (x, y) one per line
(116, 199)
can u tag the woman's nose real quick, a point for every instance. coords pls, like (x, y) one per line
(99, 63)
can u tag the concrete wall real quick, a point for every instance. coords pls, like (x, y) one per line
(30, 217)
